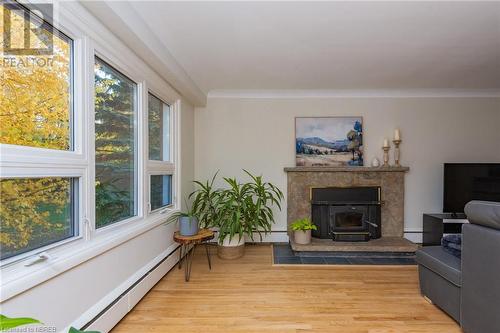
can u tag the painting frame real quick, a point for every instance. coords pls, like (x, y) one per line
(320, 141)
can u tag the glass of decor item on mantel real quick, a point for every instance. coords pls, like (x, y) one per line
(397, 142)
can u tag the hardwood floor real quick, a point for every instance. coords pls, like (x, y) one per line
(251, 295)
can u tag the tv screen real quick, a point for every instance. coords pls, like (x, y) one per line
(464, 182)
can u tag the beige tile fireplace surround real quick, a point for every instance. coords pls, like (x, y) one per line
(301, 180)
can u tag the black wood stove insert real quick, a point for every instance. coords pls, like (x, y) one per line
(346, 214)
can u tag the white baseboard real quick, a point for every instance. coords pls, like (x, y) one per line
(414, 236)
(277, 236)
(273, 237)
(105, 314)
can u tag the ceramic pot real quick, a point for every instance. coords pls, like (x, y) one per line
(188, 226)
(302, 236)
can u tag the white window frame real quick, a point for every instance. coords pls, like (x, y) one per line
(34, 162)
(138, 142)
(90, 39)
(163, 168)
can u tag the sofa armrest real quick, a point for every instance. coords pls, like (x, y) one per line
(480, 304)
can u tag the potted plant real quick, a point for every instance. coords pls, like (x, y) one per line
(244, 209)
(239, 209)
(188, 221)
(302, 230)
(205, 202)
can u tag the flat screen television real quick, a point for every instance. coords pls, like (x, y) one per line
(464, 182)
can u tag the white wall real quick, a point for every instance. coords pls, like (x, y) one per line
(258, 134)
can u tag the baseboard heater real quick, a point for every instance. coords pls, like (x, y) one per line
(123, 304)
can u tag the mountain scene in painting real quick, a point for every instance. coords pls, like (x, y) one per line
(329, 141)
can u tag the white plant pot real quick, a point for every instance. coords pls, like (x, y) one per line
(302, 236)
(235, 241)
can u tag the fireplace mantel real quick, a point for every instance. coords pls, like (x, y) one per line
(347, 169)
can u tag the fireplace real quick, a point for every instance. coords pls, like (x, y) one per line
(346, 214)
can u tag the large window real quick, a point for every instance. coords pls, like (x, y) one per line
(36, 98)
(35, 112)
(115, 145)
(160, 155)
(69, 169)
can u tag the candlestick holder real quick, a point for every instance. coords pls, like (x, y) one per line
(386, 156)
(397, 152)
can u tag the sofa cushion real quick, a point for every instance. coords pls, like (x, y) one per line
(485, 213)
(441, 262)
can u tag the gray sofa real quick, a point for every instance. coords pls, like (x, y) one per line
(467, 289)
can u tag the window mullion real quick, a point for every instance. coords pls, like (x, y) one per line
(143, 112)
(88, 136)
(175, 151)
(156, 167)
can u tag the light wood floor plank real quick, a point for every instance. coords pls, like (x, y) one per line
(252, 295)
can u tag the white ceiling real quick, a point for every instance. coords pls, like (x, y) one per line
(331, 45)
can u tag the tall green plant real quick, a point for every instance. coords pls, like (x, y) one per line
(246, 208)
(233, 210)
(205, 202)
(263, 196)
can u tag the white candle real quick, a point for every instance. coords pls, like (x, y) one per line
(397, 134)
(386, 143)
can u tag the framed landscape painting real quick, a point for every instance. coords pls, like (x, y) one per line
(329, 141)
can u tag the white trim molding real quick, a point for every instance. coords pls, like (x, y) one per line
(105, 314)
(414, 235)
(272, 237)
(354, 93)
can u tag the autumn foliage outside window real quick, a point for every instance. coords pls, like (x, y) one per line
(35, 212)
(35, 108)
(35, 111)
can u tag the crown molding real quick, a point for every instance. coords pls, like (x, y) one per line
(353, 93)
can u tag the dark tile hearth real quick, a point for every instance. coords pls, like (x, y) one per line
(284, 255)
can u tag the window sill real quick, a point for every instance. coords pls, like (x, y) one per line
(19, 278)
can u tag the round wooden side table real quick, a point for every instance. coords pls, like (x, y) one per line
(201, 237)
